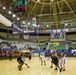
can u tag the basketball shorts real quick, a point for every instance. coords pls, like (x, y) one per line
(42, 58)
(62, 61)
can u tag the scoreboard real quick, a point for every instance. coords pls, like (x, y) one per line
(19, 6)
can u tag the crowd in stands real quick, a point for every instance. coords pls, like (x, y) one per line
(7, 50)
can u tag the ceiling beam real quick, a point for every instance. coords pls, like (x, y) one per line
(27, 2)
(61, 13)
(54, 13)
(32, 9)
(60, 10)
(45, 3)
(73, 4)
(41, 11)
(70, 8)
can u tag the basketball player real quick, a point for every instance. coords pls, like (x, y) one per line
(42, 57)
(21, 61)
(52, 57)
(62, 60)
(56, 61)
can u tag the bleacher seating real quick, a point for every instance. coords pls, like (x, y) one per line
(6, 43)
(25, 45)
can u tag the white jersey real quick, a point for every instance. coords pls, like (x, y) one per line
(62, 56)
(42, 56)
(62, 60)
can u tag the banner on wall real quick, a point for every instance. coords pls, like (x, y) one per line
(39, 51)
(66, 51)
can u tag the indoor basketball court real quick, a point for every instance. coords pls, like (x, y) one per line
(34, 30)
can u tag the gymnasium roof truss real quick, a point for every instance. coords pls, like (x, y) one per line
(53, 13)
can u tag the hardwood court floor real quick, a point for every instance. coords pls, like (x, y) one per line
(10, 67)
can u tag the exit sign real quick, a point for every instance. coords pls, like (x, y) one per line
(19, 6)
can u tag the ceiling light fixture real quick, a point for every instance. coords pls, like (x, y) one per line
(52, 0)
(38, 0)
(4, 8)
(47, 25)
(66, 24)
(9, 12)
(38, 25)
(28, 23)
(14, 15)
(23, 22)
(18, 18)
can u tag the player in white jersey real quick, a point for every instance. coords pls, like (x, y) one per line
(62, 60)
(42, 57)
